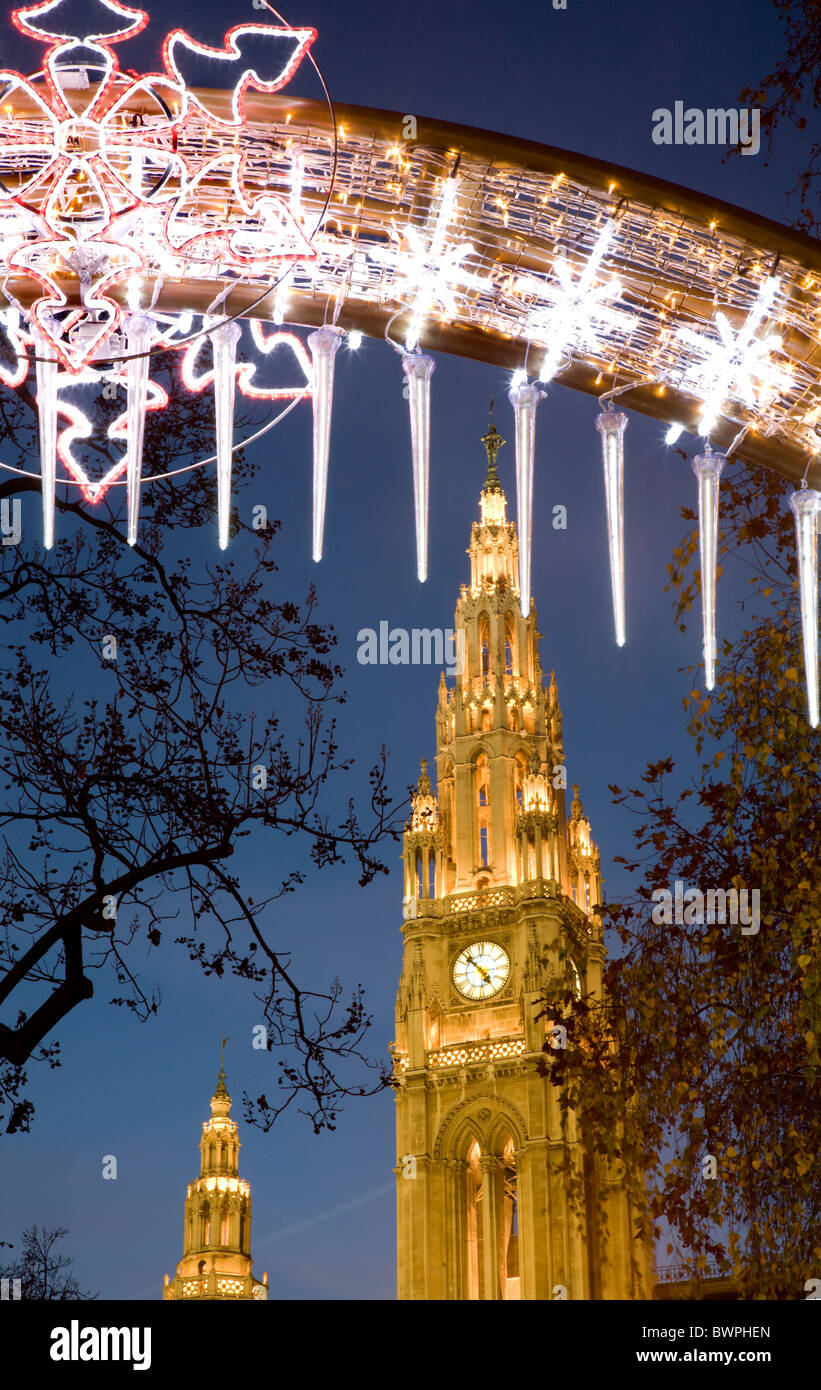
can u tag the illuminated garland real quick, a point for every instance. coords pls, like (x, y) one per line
(102, 202)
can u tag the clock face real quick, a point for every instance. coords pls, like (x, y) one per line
(480, 970)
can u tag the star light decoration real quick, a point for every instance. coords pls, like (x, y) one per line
(103, 206)
(578, 308)
(735, 360)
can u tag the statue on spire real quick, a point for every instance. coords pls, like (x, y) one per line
(493, 442)
(222, 1089)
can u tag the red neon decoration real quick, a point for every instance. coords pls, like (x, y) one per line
(178, 42)
(22, 20)
(113, 204)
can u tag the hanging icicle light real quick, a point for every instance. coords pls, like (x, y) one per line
(524, 396)
(224, 340)
(418, 369)
(324, 345)
(46, 367)
(806, 504)
(611, 425)
(707, 468)
(138, 329)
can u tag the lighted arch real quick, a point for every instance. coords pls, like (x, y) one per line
(671, 248)
(462, 1121)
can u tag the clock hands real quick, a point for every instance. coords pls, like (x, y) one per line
(485, 974)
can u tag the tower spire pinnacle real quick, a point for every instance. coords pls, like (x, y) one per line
(222, 1089)
(493, 442)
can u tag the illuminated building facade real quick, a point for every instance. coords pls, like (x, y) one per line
(501, 883)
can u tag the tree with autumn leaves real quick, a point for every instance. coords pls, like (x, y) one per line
(698, 1075)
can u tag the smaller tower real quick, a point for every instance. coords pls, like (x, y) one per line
(216, 1251)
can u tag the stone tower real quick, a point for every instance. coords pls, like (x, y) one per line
(501, 884)
(216, 1250)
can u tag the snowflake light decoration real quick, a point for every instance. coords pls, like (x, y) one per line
(578, 308)
(735, 361)
(428, 273)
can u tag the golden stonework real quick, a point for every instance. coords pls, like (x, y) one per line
(501, 879)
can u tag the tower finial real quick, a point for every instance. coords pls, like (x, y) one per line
(493, 442)
(222, 1089)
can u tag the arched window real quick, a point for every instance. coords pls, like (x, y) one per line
(510, 644)
(483, 810)
(509, 1279)
(474, 1225)
(519, 773)
(483, 781)
(205, 1225)
(243, 1229)
(502, 1215)
(484, 644)
(225, 1227)
(446, 810)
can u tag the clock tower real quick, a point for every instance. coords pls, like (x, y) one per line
(501, 884)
